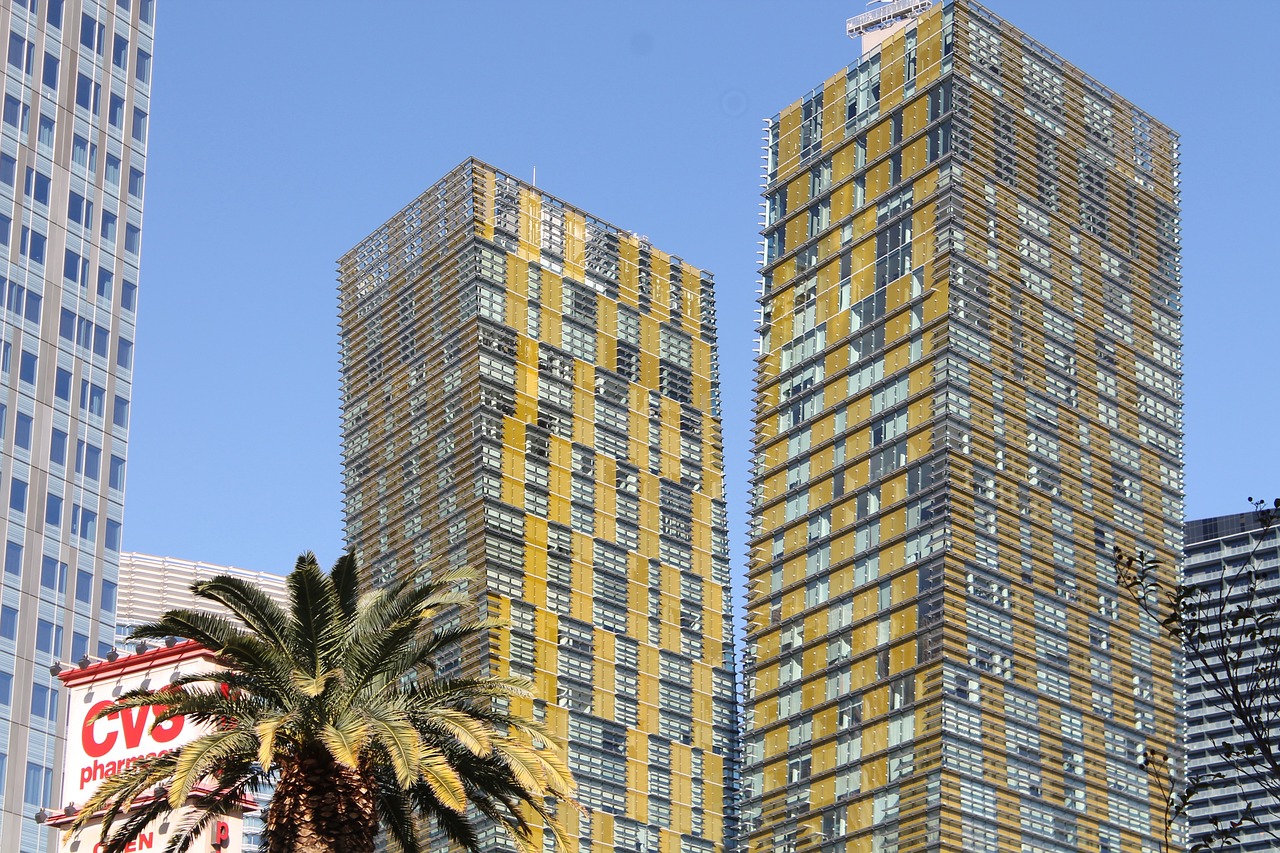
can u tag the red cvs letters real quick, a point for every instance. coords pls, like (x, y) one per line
(133, 725)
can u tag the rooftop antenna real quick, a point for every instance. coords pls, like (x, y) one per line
(884, 14)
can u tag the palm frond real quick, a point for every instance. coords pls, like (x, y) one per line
(346, 583)
(198, 758)
(315, 626)
(391, 729)
(253, 606)
(443, 779)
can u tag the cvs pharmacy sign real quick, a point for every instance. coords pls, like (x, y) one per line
(99, 749)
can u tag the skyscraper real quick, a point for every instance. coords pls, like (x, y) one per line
(968, 394)
(72, 165)
(532, 392)
(1225, 556)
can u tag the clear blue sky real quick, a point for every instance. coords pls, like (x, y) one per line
(283, 132)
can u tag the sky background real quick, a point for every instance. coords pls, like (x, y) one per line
(283, 132)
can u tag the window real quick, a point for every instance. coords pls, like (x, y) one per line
(62, 386)
(79, 647)
(115, 475)
(22, 432)
(113, 535)
(128, 295)
(115, 112)
(84, 523)
(8, 170)
(27, 367)
(33, 245)
(48, 637)
(84, 586)
(135, 184)
(133, 238)
(91, 33)
(79, 210)
(88, 93)
(108, 596)
(16, 113)
(120, 52)
(21, 53)
(88, 460)
(58, 447)
(93, 398)
(146, 9)
(45, 137)
(49, 76)
(53, 13)
(108, 233)
(37, 186)
(17, 495)
(13, 559)
(113, 171)
(142, 67)
(75, 268)
(83, 154)
(139, 125)
(120, 413)
(53, 574)
(53, 510)
(6, 688)
(8, 623)
(124, 354)
(39, 787)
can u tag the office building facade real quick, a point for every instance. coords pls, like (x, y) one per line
(532, 392)
(968, 394)
(1225, 557)
(72, 168)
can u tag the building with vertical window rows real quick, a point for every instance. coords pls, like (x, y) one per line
(968, 394)
(73, 139)
(1225, 557)
(533, 392)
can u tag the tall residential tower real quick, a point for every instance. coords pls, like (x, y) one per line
(968, 394)
(73, 136)
(1231, 562)
(533, 392)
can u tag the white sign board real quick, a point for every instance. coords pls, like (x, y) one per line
(99, 749)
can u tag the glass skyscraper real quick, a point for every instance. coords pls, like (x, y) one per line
(533, 392)
(77, 78)
(968, 394)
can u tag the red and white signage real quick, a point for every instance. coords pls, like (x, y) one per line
(99, 749)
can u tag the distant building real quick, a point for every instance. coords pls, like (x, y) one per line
(1216, 551)
(149, 586)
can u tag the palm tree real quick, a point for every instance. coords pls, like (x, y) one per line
(336, 701)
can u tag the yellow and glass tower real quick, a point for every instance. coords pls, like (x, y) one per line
(968, 394)
(533, 392)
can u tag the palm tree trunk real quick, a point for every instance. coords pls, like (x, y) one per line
(320, 806)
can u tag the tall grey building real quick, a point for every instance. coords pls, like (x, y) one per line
(73, 134)
(1221, 555)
